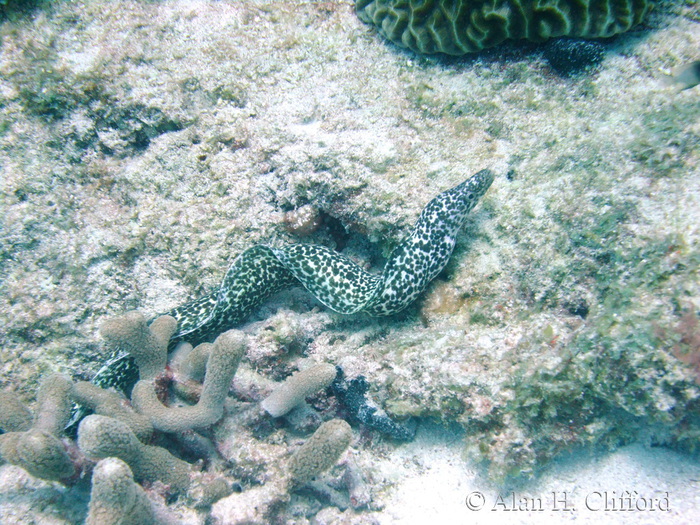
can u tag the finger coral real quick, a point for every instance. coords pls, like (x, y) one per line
(320, 451)
(102, 437)
(222, 363)
(14, 416)
(110, 403)
(456, 27)
(297, 387)
(147, 345)
(116, 499)
(318, 454)
(40, 450)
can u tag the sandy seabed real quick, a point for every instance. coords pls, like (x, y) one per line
(144, 144)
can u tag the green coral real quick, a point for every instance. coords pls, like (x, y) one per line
(456, 27)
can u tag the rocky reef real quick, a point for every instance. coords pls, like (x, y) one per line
(143, 145)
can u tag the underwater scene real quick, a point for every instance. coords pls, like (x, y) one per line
(349, 262)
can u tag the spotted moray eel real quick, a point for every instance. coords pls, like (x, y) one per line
(332, 278)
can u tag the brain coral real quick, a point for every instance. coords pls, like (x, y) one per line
(457, 27)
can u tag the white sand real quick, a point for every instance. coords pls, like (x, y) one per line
(441, 482)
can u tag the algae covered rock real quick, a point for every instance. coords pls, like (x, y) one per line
(456, 27)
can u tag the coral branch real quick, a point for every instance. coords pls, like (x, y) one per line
(222, 364)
